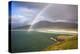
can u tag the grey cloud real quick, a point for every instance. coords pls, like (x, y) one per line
(62, 12)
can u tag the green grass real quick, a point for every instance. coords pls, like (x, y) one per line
(71, 43)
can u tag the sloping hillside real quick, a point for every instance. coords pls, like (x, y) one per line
(71, 43)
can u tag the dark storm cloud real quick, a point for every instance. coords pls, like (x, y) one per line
(28, 4)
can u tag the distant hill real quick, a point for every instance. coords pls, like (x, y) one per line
(55, 25)
(21, 27)
(49, 25)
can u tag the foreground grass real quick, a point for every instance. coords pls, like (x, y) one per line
(70, 43)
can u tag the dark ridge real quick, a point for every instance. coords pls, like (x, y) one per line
(55, 25)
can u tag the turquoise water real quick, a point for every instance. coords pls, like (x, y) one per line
(23, 41)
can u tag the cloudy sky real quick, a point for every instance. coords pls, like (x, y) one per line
(23, 13)
(28, 13)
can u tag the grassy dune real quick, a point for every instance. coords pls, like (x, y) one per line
(69, 43)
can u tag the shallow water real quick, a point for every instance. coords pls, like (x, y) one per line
(23, 41)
